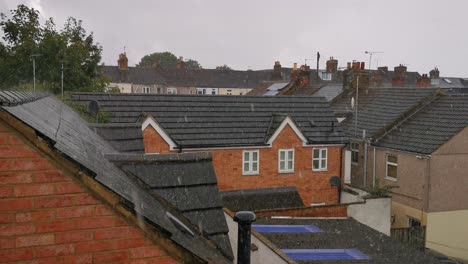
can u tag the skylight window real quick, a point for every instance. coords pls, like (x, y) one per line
(325, 254)
(286, 228)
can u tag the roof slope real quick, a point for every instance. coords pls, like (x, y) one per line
(260, 199)
(12, 98)
(431, 127)
(345, 234)
(187, 181)
(208, 121)
(189, 78)
(127, 138)
(69, 134)
(379, 107)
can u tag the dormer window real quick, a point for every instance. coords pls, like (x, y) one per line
(326, 76)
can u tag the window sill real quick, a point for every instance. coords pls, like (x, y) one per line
(390, 178)
(319, 170)
(286, 172)
(251, 174)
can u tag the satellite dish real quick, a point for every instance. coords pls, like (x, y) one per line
(352, 103)
(335, 181)
(93, 107)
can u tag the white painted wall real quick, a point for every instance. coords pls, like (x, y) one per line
(123, 87)
(264, 254)
(375, 213)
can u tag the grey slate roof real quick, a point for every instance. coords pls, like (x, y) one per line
(260, 199)
(126, 138)
(189, 78)
(378, 108)
(187, 181)
(448, 82)
(209, 121)
(345, 234)
(12, 98)
(329, 91)
(429, 128)
(69, 134)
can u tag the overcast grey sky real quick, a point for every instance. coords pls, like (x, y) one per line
(243, 34)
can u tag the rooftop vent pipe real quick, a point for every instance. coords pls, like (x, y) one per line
(245, 220)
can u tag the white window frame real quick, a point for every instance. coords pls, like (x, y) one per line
(146, 90)
(286, 161)
(250, 162)
(326, 76)
(387, 163)
(412, 219)
(213, 91)
(171, 90)
(320, 158)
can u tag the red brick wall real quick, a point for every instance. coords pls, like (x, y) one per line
(47, 217)
(313, 186)
(319, 211)
(153, 142)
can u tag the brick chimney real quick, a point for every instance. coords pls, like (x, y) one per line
(123, 67)
(424, 81)
(434, 74)
(378, 77)
(300, 77)
(123, 61)
(332, 65)
(399, 76)
(350, 76)
(181, 63)
(276, 75)
(294, 72)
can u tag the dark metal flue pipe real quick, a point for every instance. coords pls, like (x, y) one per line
(245, 220)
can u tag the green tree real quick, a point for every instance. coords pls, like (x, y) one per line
(223, 67)
(24, 36)
(166, 60)
(193, 65)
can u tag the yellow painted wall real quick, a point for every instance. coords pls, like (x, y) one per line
(447, 233)
(234, 91)
(401, 212)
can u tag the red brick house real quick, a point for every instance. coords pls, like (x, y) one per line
(255, 142)
(63, 201)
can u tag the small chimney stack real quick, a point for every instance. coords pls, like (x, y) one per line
(332, 65)
(424, 81)
(435, 74)
(399, 78)
(276, 75)
(181, 63)
(123, 67)
(123, 61)
(244, 220)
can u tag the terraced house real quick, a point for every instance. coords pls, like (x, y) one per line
(255, 142)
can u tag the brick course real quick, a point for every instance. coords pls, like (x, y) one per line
(48, 217)
(313, 186)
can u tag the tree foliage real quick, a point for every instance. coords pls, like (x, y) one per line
(24, 36)
(166, 60)
(223, 67)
